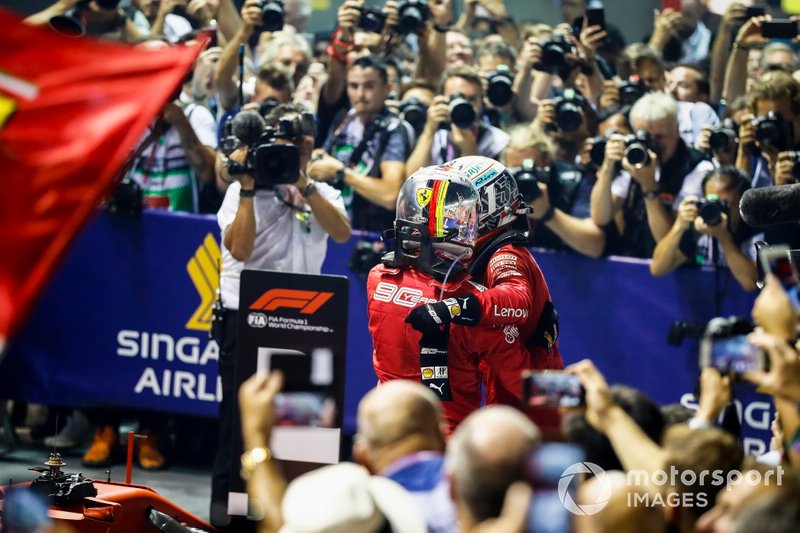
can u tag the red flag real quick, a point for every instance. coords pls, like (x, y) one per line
(77, 107)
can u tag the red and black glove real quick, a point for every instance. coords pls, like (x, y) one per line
(434, 318)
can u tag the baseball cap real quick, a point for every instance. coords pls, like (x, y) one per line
(346, 498)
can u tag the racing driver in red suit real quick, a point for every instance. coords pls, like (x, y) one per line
(515, 298)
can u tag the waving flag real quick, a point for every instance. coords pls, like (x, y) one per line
(71, 110)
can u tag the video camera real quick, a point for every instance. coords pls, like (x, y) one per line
(500, 90)
(636, 147)
(568, 110)
(554, 55)
(773, 130)
(270, 161)
(528, 177)
(414, 112)
(711, 209)
(372, 19)
(272, 15)
(724, 137)
(411, 16)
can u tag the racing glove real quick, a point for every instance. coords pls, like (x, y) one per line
(432, 318)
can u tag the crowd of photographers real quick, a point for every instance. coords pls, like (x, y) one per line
(641, 149)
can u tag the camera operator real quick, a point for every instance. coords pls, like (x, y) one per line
(712, 232)
(282, 227)
(453, 127)
(561, 198)
(158, 17)
(366, 149)
(649, 190)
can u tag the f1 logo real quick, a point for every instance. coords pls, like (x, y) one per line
(308, 302)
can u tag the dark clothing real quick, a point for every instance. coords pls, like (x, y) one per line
(637, 239)
(570, 191)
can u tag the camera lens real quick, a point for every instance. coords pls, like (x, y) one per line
(462, 114)
(568, 117)
(597, 153)
(415, 114)
(711, 212)
(721, 140)
(271, 16)
(636, 155)
(410, 21)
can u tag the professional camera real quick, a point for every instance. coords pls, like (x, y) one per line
(501, 86)
(630, 91)
(636, 147)
(568, 110)
(412, 15)
(414, 112)
(71, 22)
(528, 177)
(711, 209)
(554, 54)
(597, 153)
(371, 19)
(724, 137)
(462, 112)
(272, 15)
(269, 161)
(773, 130)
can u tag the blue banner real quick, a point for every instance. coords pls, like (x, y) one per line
(125, 321)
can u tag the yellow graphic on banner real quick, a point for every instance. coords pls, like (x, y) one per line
(203, 269)
(7, 107)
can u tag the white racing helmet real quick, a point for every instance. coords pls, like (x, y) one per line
(500, 200)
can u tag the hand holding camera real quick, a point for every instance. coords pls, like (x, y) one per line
(257, 407)
(251, 16)
(599, 404)
(348, 16)
(546, 116)
(750, 34)
(787, 168)
(530, 54)
(324, 167)
(687, 213)
(438, 113)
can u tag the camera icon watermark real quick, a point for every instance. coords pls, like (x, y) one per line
(658, 488)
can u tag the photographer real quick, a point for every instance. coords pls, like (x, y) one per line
(453, 127)
(366, 149)
(95, 18)
(650, 189)
(280, 227)
(712, 232)
(561, 198)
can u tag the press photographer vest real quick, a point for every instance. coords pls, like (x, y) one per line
(365, 158)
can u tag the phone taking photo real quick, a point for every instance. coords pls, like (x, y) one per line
(779, 29)
(595, 16)
(779, 261)
(732, 355)
(545, 467)
(552, 390)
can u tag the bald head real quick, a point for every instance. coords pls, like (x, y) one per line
(485, 455)
(619, 515)
(397, 418)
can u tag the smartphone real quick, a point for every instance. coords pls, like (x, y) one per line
(595, 16)
(732, 355)
(779, 29)
(778, 260)
(307, 399)
(755, 11)
(546, 471)
(552, 389)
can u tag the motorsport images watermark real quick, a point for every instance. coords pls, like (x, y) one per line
(663, 486)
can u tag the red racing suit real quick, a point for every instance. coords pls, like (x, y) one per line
(392, 293)
(517, 301)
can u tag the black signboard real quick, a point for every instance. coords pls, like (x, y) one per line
(296, 323)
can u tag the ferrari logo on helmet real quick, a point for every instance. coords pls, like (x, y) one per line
(424, 196)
